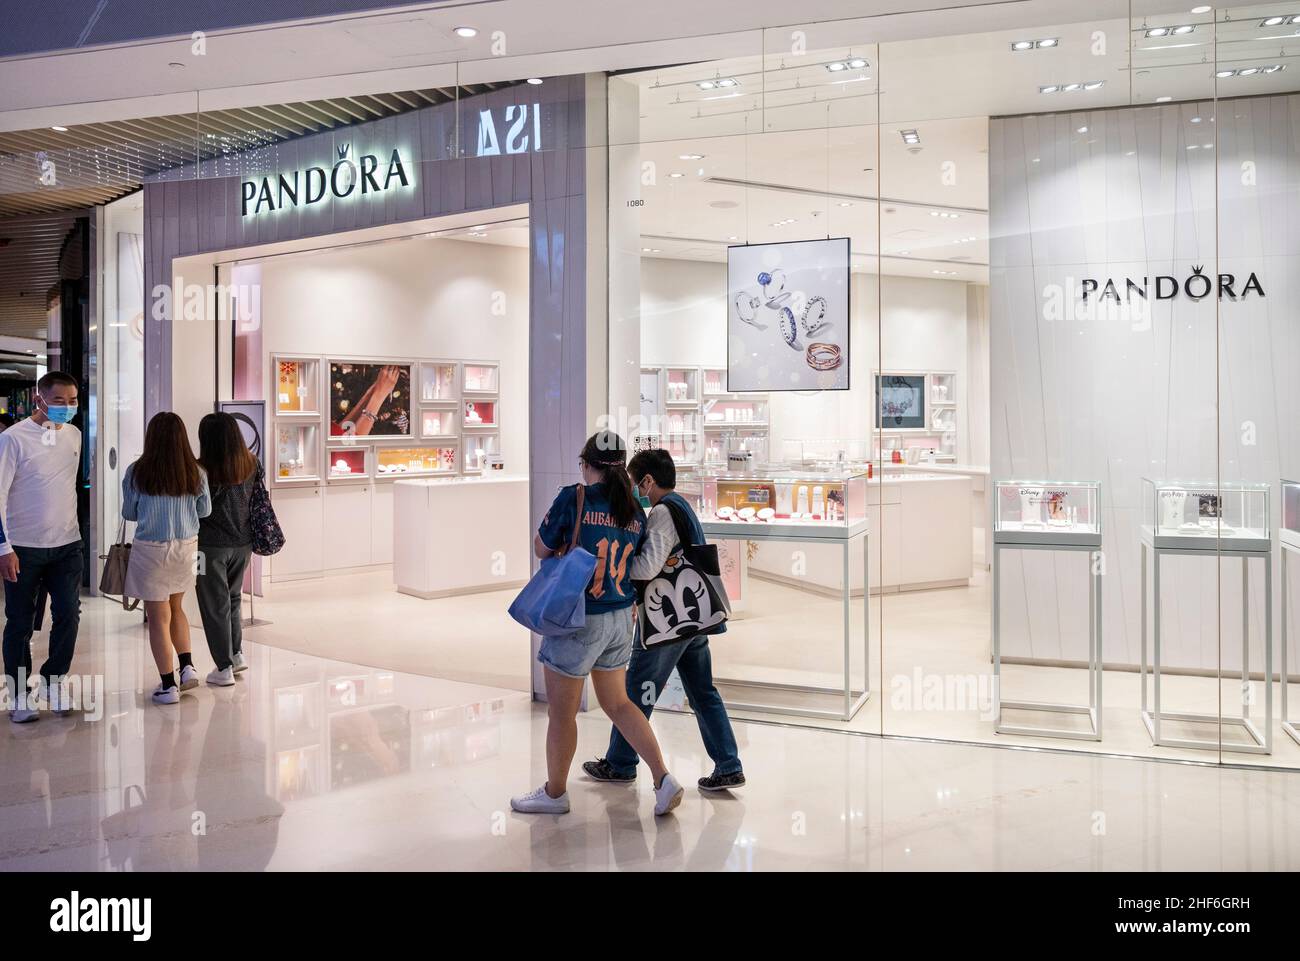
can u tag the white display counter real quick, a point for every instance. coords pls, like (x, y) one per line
(924, 541)
(461, 535)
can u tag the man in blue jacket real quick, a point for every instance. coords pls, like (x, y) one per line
(655, 476)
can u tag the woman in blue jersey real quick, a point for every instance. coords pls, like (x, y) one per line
(612, 526)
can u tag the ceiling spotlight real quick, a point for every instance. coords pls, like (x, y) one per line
(837, 66)
(705, 85)
(728, 82)
(1047, 43)
(1225, 74)
(1050, 88)
(1183, 30)
(1022, 45)
(1201, 9)
(1017, 46)
(1272, 22)
(845, 203)
(535, 81)
(1294, 19)
(857, 63)
(1071, 87)
(1248, 72)
(1094, 84)
(676, 175)
(934, 213)
(466, 32)
(1157, 32)
(690, 156)
(1163, 99)
(910, 136)
(1274, 68)
(57, 129)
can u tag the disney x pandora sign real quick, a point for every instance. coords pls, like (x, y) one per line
(317, 184)
(1197, 286)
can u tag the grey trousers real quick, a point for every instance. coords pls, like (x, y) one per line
(219, 589)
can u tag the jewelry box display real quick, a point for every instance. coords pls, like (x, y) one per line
(1055, 512)
(438, 423)
(414, 461)
(1200, 515)
(482, 449)
(480, 378)
(346, 463)
(778, 497)
(438, 382)
(297, 386)
(297, 454)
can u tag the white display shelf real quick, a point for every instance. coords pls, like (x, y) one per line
(1211, 540)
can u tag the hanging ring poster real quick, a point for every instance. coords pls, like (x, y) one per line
(776, 292)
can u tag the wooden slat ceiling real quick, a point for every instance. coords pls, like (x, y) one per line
(46, 173)
(29, 268)
(97, 162)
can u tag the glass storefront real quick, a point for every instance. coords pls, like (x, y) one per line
(1054, 356)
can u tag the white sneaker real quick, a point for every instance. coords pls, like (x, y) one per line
(238, 663)
(667, 795)
(24, 715)
(220, 678)
(56, 696)
(189, 678)
(539, 802)
(166, 695)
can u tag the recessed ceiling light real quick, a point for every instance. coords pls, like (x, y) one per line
(1294, 19)
(466, 32)
(1082, 130)
(690, 156)
(645, 250)
(728, 82)
(1019, 45)
(1184, 30)
(857, 63)
(676, 175)
(1274, 68)
(1094, 84)
(1201, 9)
(1225, 74)
(845, 203)
(1163, 99)
(1208, 146)
(1071, 87)
(910, 136)
(837, 66)
(733, 237)
(1272, 22)
(1047, 42)
(705, 84)
(535, 81)
(1248, 72)
(1050, 88)
(1157, 32)
(59, 129)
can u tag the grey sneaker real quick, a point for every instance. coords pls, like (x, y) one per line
(238, 663)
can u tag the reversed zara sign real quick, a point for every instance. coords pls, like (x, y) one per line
(514, 130)
(314, 185)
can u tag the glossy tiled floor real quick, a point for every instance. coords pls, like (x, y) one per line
(315, 764)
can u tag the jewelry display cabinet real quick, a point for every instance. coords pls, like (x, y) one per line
(1049, 516)
(1208, 521)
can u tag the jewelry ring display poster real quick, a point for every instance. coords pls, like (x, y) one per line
(788, 316)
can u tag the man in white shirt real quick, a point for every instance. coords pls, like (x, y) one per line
(40, 542)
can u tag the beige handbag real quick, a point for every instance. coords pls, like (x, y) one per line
(113, 581)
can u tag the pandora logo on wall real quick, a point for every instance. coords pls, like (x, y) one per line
(1197, 286)
(315, 185)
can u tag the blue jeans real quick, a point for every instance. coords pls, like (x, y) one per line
(695, 667)
(58, 571)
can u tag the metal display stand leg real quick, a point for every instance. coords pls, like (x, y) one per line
(1093, 708)
(1287, 724)
(853, 700)
(252, 619)
(1262, 742)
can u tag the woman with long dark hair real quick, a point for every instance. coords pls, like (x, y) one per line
(166, 493)
(226, 542)
(611, 526)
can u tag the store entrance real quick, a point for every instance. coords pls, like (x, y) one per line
(388, 380)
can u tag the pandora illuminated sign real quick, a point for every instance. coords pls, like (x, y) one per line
(313, 185)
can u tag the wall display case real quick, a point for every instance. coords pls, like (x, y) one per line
(347, 463)
(438, 422)
(1206, 515)
(1047, 512)
(777, 497)
(918, 414)
(297, 452)
(297, 386)
(720, 413)
(480, 378)
(393, 462)
(480, 413)
(682, 385)
(438, 381)
(482, 450)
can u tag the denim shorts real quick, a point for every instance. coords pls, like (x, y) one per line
(603, 644)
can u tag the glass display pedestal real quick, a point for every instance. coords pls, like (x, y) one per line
(1088, 542)
(1290, 543)
(846, 536)
(1158, 545)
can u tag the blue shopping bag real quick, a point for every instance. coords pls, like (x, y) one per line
(554, 601)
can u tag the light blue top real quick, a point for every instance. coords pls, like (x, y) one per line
(164, 518)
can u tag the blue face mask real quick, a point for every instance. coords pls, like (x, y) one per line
(61, 413)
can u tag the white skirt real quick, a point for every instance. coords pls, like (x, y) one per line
(159, 569)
